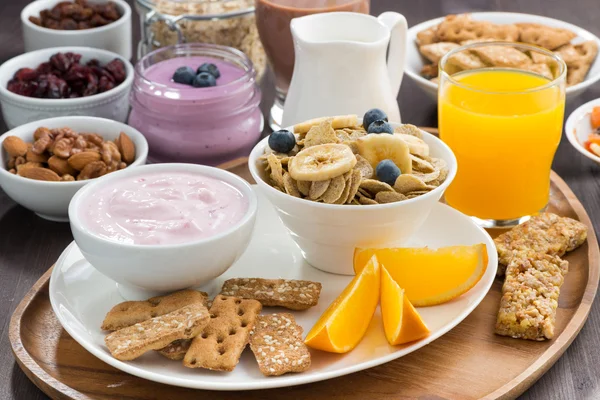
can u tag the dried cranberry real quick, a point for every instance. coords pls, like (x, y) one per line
(117, 68)
(77, 72)
(90, 90)
(105, 84)
(74, 57)
(74, 95)
(44, 68)
(26, 74)
(42, 87)
(100, 72)
(60, 61)
(93, 62)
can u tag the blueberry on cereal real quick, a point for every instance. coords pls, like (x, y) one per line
(282, 141)
(373, 115)
(387, 172)
(380, 126)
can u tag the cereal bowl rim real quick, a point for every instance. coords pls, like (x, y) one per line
(213, 172)
(259, 148)
(26, 13)
(9, 67)
(485, 16)
(578, 114)
(141, 154)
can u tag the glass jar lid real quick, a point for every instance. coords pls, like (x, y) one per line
(205, 8)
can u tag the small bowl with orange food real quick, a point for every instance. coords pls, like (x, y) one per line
(583, 130)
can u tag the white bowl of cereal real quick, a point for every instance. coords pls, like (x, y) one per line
(372, 214)
(38, 186)
(577, 46)
(163, 227)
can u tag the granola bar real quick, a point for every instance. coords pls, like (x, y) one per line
(530, 296)
(291, 294)
(546, 233)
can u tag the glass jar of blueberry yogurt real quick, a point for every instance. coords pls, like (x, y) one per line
(196, 103)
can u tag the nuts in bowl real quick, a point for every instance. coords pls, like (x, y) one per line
(43, 163)
(341, 187)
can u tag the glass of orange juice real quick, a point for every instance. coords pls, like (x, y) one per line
(500, 109)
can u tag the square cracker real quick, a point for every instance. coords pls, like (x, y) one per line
(427, 36)
(435, 51)
(291, 294)
(220, 344)
(131, 312)
(276, 342)
(545, 36)
(176, 350)
(154, 334)
(502, 56)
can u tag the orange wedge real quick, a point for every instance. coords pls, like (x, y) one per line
(344, 323)
(428, 276)
(401, 322)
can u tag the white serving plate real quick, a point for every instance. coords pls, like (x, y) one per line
(81, 296)
(579, 126)
(415, 61)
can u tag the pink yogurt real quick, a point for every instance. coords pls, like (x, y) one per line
(198, 125)
(163, 209)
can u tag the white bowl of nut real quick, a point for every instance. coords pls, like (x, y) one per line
(430, 40)
(103, 24)
(163, 227)
(337, 187)
(64, 81)
(44, 163)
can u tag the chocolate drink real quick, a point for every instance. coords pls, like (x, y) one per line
(273, 19)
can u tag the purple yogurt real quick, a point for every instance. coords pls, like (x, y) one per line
(197, 125)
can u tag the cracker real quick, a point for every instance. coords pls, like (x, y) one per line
(291, 294)
(276, 342)
(132, 312)
(389, 197)
(457, 28)
(545, 36)
(318, 188)
(338, 122)
(540, 69)
(502, 56)
(427, 36)
(220, 344)
(581, 52)
(365, 168)
(334, 190)
(289, 184)
(176, 350)
(322, 133)
(156, 333)
(465, 60)
(435, 51)
(430, 71)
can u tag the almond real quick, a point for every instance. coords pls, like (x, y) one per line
(39, 173)
(15, 146)
(80, 160)
(29, 164)
(126, 148)
(32, 157)
(60, 166)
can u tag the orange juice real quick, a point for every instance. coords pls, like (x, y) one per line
(504, 128)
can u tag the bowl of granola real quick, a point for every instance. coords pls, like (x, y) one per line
(429, 41)
(337, 186)
(44, 163)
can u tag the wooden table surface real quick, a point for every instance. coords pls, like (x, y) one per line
(29, 245)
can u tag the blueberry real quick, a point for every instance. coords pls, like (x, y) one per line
(204, 79)
(387, 172)
(282, 141)
(184, 75)
(211, 69)
(373, 115)
(380, 126)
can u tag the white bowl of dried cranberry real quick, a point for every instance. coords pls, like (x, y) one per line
(78, 81)
(50, 199)
(103, 24)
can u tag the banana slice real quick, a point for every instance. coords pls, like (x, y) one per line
(378, 147)
(416, 146)
(321, 162)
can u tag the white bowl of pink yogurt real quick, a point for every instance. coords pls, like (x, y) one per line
(163, 227)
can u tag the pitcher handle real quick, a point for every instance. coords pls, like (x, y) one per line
(397, 25)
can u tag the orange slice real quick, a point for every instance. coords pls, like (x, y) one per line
(401, 322)
(429, 276)
(344, 323)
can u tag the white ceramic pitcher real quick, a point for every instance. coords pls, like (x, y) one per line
(340, 65)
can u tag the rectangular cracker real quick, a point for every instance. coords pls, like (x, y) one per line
(545, 233)
(291, 294)
(220, 344)
(435, 51)
(131, 312)
(131, 342)
(544, 36)
(276, 342)
(530, 297)
(176, 350)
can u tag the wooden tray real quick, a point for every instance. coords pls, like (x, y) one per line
(469, 362)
